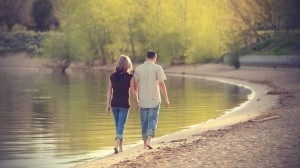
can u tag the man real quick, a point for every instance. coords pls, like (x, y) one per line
(149, 79)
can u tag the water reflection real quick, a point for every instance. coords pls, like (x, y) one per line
(57, 120)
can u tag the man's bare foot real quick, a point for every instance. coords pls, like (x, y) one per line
(149, 147)
(148, 144)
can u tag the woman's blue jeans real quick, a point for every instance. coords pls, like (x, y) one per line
(149, 120)
(120, 116)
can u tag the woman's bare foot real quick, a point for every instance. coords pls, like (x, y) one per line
(121, 146)
(145, 144)
(117, 146)
(116, 151)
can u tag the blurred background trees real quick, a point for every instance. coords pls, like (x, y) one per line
(257, 21)
(42, 13)
(37, 15)
(182, 31)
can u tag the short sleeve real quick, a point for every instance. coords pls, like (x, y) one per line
(136, 78)
(160, 76)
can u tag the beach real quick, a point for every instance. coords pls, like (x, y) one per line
(263, 132)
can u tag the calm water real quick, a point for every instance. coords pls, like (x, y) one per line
(53, 120)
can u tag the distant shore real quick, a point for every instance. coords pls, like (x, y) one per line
(264, 132)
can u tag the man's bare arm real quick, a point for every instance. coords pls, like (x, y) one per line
(164, 92)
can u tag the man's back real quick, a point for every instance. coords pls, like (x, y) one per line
(147, 76)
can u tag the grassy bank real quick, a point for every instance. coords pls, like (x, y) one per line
(288, 44)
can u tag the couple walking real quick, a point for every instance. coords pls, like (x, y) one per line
(145, 85)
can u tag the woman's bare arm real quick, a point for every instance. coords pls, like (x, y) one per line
(109, 97)
(133, 89)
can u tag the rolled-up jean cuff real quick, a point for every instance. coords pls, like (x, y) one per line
(151, 132)
(145, 137)
(118, 136)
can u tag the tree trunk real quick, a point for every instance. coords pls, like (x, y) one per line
(63, 70)
(132, 48)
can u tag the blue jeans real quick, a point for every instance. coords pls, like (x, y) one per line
(149, 120)
(120, 116)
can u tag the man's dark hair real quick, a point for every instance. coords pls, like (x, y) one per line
(151, 54)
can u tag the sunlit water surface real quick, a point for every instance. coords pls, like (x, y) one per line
(53, 120)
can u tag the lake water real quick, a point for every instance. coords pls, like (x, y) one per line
(53, 120)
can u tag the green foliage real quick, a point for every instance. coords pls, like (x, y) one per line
(20, 41)
(262, 46)
(282, 48)
(170, 47)
(263, 25)
(58, 47)
(131, 27)
(285, 45)
(204, 59)
(55, 47)
(180, 31)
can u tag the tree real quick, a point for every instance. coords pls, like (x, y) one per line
(134, 17)
(12, 12)
(68, 45)
(56, 47)
(246, 12)
(182, 31)
(259, 20)
(97, 24)
(289, 12)
(43, 15)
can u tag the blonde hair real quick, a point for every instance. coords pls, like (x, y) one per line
(123, 64)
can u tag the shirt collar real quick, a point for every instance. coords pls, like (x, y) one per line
(148, 62)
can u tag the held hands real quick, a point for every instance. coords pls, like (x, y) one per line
(137, 105)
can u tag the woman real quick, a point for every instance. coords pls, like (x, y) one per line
(120, 82)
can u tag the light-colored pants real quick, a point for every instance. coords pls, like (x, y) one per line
(149, 120)
(120, 116)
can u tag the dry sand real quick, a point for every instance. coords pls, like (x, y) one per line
(263, 132)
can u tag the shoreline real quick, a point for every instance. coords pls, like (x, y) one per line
(264, 132)
(137, 149)
(255, 110)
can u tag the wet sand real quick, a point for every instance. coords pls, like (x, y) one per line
(263, 132)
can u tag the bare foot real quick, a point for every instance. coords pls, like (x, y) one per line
(121, 146)
(116, 151)
(149, 147)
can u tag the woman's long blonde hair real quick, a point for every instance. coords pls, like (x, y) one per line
(123, 64)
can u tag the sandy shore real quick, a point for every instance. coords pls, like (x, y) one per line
(264, 132)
